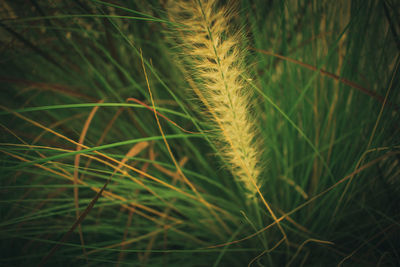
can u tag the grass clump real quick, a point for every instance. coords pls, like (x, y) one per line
(107, 158)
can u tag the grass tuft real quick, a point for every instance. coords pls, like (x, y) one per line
(199, 133)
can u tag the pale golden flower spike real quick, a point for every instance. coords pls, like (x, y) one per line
(217, 66)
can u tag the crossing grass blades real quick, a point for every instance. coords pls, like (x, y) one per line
(199, 133)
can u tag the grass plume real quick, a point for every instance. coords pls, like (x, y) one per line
(218, 65)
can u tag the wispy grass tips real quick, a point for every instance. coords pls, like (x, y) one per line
(218, 66)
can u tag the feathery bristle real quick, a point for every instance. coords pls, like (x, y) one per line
(217, 62)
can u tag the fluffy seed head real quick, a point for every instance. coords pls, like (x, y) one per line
(217, 64)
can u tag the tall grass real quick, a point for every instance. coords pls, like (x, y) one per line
(109, 158)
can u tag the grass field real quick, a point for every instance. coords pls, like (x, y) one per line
(194, 133)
